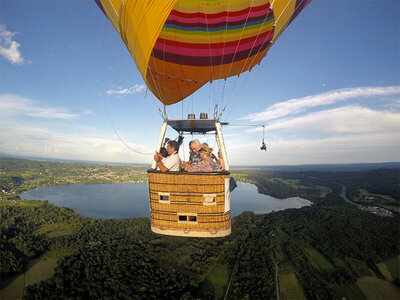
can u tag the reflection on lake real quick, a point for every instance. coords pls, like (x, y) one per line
(128, 200)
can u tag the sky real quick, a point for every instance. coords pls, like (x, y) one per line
(328, 91)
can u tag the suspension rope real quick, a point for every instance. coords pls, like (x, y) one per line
(241, 35)
(104, 97)
(245, 63)
(209, 45)
(271, 41)
(233, 59)
(246, 82)
(116, 133)
(220, 95)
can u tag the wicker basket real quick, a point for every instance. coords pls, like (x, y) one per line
(190, 204)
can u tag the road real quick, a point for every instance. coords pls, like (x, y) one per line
(343, 192)
(343, 195)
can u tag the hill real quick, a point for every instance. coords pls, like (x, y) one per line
(329, 250)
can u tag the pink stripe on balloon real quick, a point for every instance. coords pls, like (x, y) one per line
(218, 20)
(214, 51)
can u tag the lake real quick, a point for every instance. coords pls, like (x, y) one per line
(128, 200)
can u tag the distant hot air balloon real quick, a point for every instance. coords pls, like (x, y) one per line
(178, 46)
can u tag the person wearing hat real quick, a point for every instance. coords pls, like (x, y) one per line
(206, 163)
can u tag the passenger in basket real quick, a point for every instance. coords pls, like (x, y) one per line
(164, 152)
(194, 158)
(164, 155)
(172, 162)
(206, 164)
(219, 162)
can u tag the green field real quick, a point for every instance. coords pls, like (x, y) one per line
(365, 193)
(385, 201)
(13, 288)
(340, 263)
(56, 229)
(390, 268)
(59, 252)
(350, 291)
(377, 289)
(289, 286)
(219, 277)
(317, 260)
(324, 190)
(279, 254)
(38, 270)
(292, 182)
(360, 268)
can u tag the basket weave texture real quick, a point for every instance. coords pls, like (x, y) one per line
(199, 195)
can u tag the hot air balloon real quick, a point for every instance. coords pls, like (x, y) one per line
(179, 46)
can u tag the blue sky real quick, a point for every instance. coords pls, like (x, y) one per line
(328, 90)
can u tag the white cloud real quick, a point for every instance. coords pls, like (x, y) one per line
(346, 119)
(298, 105)
(11, 104)
(137, 88)
(359, 148)
(8, 47)
(338, 134)
(70, 141)
(56, 132)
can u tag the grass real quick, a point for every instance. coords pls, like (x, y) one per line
(340, 263)
(349, 291)
(390, 207)
(219, 278)
(292, 182)
(13, 288)
(289, 286)
(324, 190)
(360, 268)
(38, 270)
(317, 260)
(377, 289)
(390, 268)
(385, 271)
(56, 229)
(4, 202)
(58, 253)
(280, 256)
(365, 193)
(30, 203)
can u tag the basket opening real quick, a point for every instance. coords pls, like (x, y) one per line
(209, 199)
(164, 197)
(192, 218)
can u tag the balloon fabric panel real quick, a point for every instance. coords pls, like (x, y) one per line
(180, 45)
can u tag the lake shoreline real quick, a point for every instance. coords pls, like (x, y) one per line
(130, 200)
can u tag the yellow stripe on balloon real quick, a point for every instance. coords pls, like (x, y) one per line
(283, 11)
(216, 37)
(213, 7)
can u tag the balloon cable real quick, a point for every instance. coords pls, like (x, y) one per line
(118, 136)
(105, 103)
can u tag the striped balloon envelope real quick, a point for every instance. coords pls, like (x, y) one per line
(180, 45)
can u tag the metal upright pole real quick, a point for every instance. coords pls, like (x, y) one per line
(221, 145)
(160, 140)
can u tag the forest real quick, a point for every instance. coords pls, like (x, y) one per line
(328, 250)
